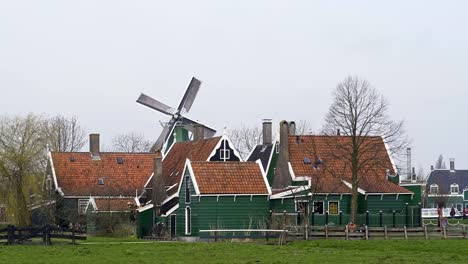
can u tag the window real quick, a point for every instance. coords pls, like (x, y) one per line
(434, 189)
(333, 208)
(187, 189)
(454, 188)
(459, 207)
(82, 204)
(225, 154)
(277, 148)
(188, 221)
(318, 207)
(302, 207)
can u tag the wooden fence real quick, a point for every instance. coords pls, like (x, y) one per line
(365, 232)
(19, 235)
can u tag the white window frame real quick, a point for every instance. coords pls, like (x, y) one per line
(188, 220)
(434, 186)
(337, 212)
(461, 206)
(225, 154)
(188, 198)
(323, 207)
(454, 185)
(82, 202)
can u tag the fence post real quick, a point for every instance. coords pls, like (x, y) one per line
(381, 218)
(426, 236)
(367, 218)
(385, 232)
(394, 218)
(346, 233)
(406, 232)
(367, 232)
(326, 218)
(11, 235)
(326, 231)
(341, 217)
(420, 214)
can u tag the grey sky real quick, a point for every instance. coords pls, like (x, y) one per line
(258, 59)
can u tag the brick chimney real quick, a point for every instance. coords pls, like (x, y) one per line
(267, 133)
(282, 176)
(158, 192)
(94, 145)
(292, 128)
(198, 132)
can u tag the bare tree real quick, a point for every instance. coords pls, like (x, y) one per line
(22, 162)
(303, 127)
(131, 142)
(440, 163)
(361, 115)
(65, 134)
(245, 139)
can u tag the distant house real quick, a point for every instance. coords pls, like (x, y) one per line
(448, 188)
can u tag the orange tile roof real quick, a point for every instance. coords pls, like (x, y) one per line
(114, 204)
(335, 167)
(80, 177)
(229, 177)
(174, 162)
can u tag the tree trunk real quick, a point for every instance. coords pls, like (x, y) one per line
(354, 202)
(22, 218)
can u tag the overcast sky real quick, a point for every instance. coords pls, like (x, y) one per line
(257, 59)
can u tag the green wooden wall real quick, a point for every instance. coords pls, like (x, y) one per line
(223, 212)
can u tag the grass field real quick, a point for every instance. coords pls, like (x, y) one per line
(323, 251)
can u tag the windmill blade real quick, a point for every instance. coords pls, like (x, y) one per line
(155, 104)
(209, 133)
(164, 135)
(189, 96)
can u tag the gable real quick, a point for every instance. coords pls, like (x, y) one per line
(225, 145)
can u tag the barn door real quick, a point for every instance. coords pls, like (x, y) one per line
(173, 226)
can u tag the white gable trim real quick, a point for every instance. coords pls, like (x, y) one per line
(387, 148)
(273, 150)
(148, 181)
(265, 180)
(92, 202)
(291, 171)
(144, 208)
(188, 166)
(173, 209)
(349, 185)
(54, 176)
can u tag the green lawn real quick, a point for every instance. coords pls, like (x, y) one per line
(323, 251)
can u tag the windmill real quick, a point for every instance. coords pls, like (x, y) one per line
(178, 117)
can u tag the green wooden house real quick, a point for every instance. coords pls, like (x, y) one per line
(307, 180)
(221, 195)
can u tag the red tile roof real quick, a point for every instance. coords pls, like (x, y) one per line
(114, 204)
(80, 177)
(229, 178)
(335, 167)
(174, 162)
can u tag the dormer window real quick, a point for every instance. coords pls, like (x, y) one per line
(225, 154)
(101, 181)
(454, 189)
(434, 189)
